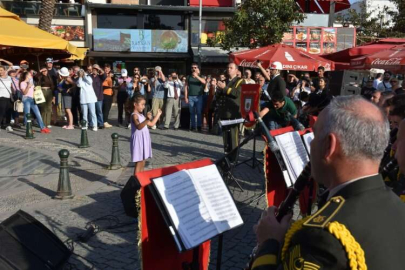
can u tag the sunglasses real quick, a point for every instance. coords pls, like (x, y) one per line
(194, 67)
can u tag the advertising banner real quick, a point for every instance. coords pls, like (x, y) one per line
(140, 40)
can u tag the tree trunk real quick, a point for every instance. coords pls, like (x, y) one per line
(46, 15)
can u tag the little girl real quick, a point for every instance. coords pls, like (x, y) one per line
(141, 145)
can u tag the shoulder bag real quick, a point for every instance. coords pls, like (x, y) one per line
(38, 95)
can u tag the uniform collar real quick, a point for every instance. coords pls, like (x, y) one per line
(357, 186)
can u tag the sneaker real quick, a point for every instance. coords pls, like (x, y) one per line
(9, 129)
(49, 126)
(12, 121)
(106, 125)
(95, 129)
(154, 127)
(45, 130)
(129, 126)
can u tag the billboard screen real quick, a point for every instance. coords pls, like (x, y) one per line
(140, 40)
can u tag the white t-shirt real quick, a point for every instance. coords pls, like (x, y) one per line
(384, 86)
(5, 87)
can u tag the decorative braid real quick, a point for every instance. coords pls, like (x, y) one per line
(296, 226)
(355, 253)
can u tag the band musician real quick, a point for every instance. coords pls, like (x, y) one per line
(361, 224)
(228, 100)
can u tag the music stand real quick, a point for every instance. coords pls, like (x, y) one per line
(253, 158)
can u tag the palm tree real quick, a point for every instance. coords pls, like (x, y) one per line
(46, 15)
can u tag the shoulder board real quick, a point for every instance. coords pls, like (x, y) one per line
(321, 218)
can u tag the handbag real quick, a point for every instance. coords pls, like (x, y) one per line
(18, 106)
(38, 95)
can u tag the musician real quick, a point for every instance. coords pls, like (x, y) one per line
(228, 100)
(361, 224)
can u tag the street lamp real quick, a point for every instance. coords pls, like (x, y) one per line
(199, 34)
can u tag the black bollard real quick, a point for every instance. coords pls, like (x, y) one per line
(28, 133)
(64, 188)
(84, 141)
(115, 155)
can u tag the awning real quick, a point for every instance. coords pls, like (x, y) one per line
(211, 55)
(16, 33)
(355, 52)
(322, 6)
(132, 55)
(291, 58)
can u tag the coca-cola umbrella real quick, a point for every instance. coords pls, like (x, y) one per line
(291, 58)
(392, 59)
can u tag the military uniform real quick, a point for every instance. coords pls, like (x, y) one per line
(228, 102)
(360, 227)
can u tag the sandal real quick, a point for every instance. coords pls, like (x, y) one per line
(70, 127)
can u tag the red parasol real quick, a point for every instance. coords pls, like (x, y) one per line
(392, 59)
(322, 6)
(291, 58)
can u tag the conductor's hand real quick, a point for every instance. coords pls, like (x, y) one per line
(159, 112)
(221, 84)
(269, 228)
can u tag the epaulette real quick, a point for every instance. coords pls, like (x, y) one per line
(321, 218)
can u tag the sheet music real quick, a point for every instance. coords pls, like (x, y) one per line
(215, 194)
(231, 122)
(198, 203)
(294, 154)
(307, 138)
(186, 209)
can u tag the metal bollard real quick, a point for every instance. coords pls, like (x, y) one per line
(28, 127)
(64, 189)
(115, 155)
(84, 140)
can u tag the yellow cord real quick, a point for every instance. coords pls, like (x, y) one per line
(296, 226)
(355, 253)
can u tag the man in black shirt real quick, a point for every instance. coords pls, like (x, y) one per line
(321, 75)
(277, 83)
(368, 90)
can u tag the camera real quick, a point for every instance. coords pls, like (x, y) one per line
(143, 81)
(174, 77)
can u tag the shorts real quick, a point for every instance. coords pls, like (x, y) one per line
(67, 102)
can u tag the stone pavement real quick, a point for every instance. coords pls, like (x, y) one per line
(29, 172)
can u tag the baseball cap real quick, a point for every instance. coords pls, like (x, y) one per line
(124, 72)
(49, 60)
(276, 65)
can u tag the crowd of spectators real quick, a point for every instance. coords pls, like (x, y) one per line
(87, 93)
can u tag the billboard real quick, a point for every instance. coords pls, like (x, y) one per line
(140, 40)
(320, 40)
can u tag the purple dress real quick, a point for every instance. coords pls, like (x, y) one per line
(141, 145)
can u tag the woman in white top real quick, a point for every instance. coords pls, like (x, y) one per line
(88, 98)
(5, 97)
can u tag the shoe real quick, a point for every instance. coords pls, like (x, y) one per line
(70, 127)
(45, 130)
(129, 126)
(165, 128)
(154, 127)
(9, 129)
(49, 126)
(106, 125)
(12, 121)
(100, 127)
(176, 128)
(65, 127)
(95, 129)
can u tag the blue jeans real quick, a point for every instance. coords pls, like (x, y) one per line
(29, 104)
(195, 103)
(99, 113)
(93, 119)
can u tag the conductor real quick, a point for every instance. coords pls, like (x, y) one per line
(228, 100)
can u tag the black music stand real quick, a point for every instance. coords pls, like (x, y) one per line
(254, 159)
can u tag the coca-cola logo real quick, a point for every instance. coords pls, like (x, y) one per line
(245, 63)
(387, 62)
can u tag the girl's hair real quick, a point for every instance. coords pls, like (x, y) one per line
(23, 77)
(137, 97)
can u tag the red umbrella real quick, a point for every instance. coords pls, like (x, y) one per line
(291, 58)
(322, 6)
(392, 59)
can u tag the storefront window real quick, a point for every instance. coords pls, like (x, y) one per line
(161, 22)
(167, 2)
(209, 29)
(117, 21)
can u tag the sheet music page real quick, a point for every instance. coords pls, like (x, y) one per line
(293, 152)
(231, 122)
(217, 198)
(308, 137)
(186, 208)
